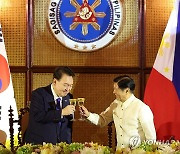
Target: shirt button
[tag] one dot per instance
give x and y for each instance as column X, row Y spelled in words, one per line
column 121, row 135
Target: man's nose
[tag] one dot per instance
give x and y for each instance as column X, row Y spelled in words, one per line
column 68, row 88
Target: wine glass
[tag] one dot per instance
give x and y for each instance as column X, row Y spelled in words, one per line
column 80, row 103
column 73, row 102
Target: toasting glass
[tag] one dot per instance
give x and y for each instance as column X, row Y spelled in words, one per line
column 73, row 102
column 80, row 103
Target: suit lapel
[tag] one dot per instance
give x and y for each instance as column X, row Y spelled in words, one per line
column 49, row 98
column 65, row 101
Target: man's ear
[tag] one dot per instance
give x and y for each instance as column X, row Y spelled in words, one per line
column 54, row 81
column 127, row 90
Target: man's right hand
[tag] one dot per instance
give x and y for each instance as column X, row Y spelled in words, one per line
column 68, row 110
column 84, row 111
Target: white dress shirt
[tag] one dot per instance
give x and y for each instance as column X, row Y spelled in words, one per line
column 132, row 119
column 56, row 97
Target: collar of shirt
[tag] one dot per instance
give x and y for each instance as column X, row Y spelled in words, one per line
column 126, row 103
column 54, row 94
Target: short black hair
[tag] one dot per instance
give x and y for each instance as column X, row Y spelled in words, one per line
column 59, row 71
column 124, row 82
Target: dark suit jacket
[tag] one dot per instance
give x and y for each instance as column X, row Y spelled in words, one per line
column 44, row 119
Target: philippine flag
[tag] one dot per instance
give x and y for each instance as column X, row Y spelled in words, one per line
column 6, row 91
column 162, row 91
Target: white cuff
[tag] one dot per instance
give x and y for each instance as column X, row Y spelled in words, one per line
column 93, row 118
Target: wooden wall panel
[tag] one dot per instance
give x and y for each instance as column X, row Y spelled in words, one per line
column 13, row 22
column 19, row 84
column 123, row 51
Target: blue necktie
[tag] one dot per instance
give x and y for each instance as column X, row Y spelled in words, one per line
column 58, row 100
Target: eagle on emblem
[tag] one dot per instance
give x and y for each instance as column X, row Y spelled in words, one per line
column 85, row 15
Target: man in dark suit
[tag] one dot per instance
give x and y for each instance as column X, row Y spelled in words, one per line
column 50, row 112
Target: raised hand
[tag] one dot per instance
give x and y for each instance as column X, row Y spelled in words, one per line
column 68, row 110
column 84, row 111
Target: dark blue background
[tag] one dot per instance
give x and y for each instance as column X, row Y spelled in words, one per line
column 65, row 22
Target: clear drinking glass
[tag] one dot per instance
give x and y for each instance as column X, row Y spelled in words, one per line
column 73, row 102
column 80, row 103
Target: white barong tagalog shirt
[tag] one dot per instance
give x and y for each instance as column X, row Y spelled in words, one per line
column 132, row 119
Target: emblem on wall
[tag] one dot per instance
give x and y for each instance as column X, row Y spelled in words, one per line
column 85, row 25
